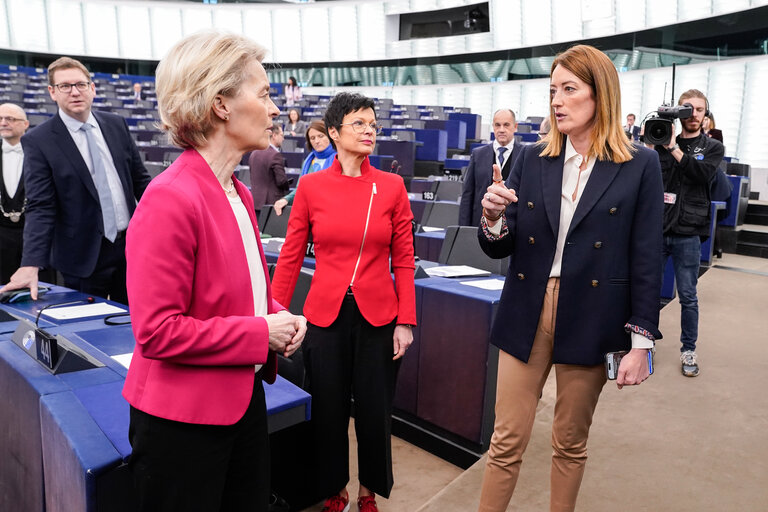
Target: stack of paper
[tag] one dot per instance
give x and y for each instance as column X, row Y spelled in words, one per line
column 456, row 271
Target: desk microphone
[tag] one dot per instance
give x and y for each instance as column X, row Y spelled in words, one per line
column 393, row 166
column 87, row 300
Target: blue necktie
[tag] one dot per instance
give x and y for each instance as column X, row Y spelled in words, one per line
column 501, row 150
column 102, row 185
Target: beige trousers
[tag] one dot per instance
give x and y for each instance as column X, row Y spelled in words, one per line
column 519, row 387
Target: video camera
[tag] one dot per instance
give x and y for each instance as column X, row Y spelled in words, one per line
column 658, row 129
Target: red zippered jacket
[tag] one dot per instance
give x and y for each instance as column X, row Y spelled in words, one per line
column 336, row 209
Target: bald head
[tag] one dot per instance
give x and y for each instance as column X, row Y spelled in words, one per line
column 504, row 125
column 13, row 123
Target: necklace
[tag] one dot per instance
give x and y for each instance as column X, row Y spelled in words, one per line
column 230, row 189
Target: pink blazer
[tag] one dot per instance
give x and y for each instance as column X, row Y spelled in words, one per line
column 189, row 288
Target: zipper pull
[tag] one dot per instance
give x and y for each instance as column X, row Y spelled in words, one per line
column 374, row 189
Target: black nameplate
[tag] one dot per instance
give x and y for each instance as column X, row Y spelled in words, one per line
column 47, row 349
column 428, row 195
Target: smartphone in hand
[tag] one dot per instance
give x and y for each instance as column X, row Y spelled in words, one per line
column 613, row 359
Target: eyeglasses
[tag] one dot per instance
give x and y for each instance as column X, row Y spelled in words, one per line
column 360, row 126
column 67, row 88
column 9, row 119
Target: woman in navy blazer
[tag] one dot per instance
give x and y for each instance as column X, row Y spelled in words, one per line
column 583, row 229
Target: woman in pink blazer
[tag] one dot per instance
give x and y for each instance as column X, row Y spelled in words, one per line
column 206, row 326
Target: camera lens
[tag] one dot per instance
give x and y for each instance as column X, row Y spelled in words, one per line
column 658, row 131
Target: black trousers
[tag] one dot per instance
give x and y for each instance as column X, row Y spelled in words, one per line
column 108, row 278
column 202, row 468
column 11, row 240
column 351, row 359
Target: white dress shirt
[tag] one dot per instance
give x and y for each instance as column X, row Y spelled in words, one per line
column 122, row 215
column 574, row 180
column 13, row 161
column 258, row 281
column 508, row 152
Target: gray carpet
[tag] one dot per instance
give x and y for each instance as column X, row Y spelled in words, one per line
column 673, row 443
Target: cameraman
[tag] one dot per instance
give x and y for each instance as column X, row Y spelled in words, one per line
column 688, row 165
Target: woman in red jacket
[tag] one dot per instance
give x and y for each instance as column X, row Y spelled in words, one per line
column 359, row 320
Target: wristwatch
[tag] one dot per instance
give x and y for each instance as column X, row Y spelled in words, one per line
column 676, row 146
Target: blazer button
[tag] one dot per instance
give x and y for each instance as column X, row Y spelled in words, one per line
column 531, row 240
column 595, row 282
column 530, row 205
column 598, row 244
column 521, row 276
column 613, row 210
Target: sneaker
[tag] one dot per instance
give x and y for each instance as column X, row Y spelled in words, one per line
column 367, row 504
column 336, row 503
column 690, row 367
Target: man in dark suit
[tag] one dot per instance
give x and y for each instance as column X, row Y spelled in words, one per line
column 138, row 94
column 13, row 124
column 82, row 176
column 503, row 151
column 267, row 167
column 631, row 129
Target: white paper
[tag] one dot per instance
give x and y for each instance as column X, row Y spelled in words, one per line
column 486, row 284
column 273, row 244
column 456, row 271
column 124, row 359
column 86, row 310
column 429, row 229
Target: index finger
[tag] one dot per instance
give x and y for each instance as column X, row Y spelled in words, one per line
column 497, row 174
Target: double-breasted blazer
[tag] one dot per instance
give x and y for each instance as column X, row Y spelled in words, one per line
column 611, row 271
column 478, row 178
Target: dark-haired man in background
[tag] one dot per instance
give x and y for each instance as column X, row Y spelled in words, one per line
column 267, row 167
column 688, row 164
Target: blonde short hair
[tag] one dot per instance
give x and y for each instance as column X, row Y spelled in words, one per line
column 192, row 74
column 593, row 67
column 65, row 63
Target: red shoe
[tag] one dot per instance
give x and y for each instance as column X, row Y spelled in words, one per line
column 336, row 503
column 367, row 503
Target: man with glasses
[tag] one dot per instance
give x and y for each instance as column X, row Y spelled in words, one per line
column 13, row 124
column 82, row 176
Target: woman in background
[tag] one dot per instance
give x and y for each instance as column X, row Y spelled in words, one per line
column 708, row 127
column 321, row 155
column 206, row 326
column 295, row 126
column 581, row 218
column 360, row 321
column 292, row 92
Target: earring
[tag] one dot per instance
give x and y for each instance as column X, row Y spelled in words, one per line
column 226, row 118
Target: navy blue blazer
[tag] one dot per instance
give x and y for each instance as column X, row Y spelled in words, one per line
column 478, row 178
column 64, row 226
column 611, row 268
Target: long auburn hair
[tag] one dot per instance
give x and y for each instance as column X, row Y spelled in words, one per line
column 608, row 140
